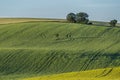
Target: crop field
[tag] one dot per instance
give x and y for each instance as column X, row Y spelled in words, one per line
column 40, row 48
column 99, row 74
column 19, row 20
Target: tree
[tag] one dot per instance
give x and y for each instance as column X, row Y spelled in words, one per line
column 82, row 17
column 113, row 23
column 71, row 17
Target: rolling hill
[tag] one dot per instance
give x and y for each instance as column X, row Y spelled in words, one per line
column 32, row 48
column 99, row 74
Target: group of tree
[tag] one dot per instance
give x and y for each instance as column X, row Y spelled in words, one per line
column 83, row 18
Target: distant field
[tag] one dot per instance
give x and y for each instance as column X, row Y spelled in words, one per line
column 100, row 74
column 105, row 24
column 18, row 20
column 31, row 47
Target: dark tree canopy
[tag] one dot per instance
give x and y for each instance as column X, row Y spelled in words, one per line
column 82, row 17
column 71, row 17
column 82, row 14
column 113, row 23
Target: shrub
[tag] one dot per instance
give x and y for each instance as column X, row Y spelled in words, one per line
column 113, row 23
column 57, row 36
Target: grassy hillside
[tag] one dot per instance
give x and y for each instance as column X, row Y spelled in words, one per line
column 100, row 74
column 37, row 35
column 33, row 48
column 46, row 62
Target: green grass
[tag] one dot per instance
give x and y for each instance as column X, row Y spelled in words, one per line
column 42, row 35
column 32, row 48
column 45, row 61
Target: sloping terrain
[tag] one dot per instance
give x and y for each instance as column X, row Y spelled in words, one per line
column 99, row 74
column 42, row 35
column 52, row 47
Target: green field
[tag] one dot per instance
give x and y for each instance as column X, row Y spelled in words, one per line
column 30, row 49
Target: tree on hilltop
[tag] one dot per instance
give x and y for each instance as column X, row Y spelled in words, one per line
column 82, row 17
column 71, row 17
column 113, row 23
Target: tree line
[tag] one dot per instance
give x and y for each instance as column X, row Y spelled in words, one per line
column 83, row 18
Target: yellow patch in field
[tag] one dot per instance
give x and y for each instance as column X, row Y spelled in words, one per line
column 100, row 74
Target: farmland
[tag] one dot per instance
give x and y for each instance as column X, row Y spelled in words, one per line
column 32, row 48
column 99, row 74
